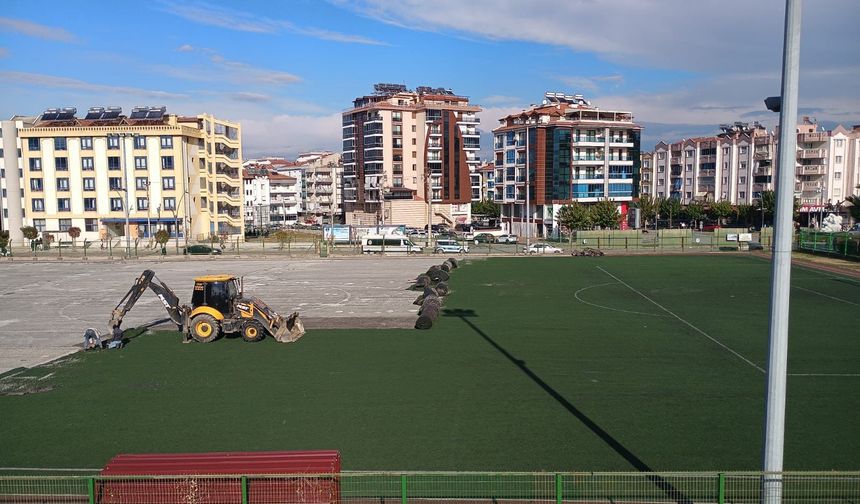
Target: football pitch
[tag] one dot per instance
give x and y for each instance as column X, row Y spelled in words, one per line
column 556, row 363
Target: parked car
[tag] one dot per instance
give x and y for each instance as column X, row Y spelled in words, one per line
column 450, row 246
column 754, row 245
column 506, row 238
column 200, row 250
column 484, row 238
column 541, row 248
column 710, row 227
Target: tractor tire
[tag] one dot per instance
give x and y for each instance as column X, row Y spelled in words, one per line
column 453, row 262
column 446, row 267
column 253, row 331
column 204, row 328
column 442, row 288
column 437, row 275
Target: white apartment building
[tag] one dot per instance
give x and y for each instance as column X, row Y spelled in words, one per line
column 741, row 162
column 150, row 169
column 323, row 176
column 11, row 189
column 271, row 199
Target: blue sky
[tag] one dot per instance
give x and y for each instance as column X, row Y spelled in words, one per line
column 287, row 70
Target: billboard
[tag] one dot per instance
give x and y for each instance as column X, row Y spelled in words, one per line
column 338, row 233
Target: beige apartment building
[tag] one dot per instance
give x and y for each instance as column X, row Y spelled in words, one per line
column 150, row 168
column 323, row 178
column 741, row 162
column 409, row 153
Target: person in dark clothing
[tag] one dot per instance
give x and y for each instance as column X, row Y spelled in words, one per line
column 116, row 337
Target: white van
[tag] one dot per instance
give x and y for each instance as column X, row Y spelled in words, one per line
column 389, row 244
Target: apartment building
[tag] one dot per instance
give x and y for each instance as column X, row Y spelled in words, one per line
column 741, row 162
column 150, row 168
column 487, row 182
column 271, row 199
column 11, row 176
column 561, row 151
column 409, row 153
column 323, row 175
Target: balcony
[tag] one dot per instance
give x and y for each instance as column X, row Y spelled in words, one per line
column 707, row 173
column 810, row 186
column 584, row 140
column 816, row 169
column 811, row 154
column 584, row 159
column 620, row 142
column 812, row 137
column 762, row 154
column 676, row 160
column 711, row 158
column 761, row 170
column 469, row 119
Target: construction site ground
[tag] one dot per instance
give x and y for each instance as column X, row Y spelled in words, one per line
column 45, row 306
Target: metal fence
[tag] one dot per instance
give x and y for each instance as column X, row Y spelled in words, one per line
column 424, row 487
column 834, row 244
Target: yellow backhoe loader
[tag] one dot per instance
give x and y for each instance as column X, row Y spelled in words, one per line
column 218, row 306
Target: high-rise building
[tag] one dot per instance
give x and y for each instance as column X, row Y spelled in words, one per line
column 151, row 169
column 561, row 151
column 408, row 155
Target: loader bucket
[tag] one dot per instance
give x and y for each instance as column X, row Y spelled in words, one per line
column 290, row 329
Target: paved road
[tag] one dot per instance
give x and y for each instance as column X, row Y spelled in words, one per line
column 45, row 306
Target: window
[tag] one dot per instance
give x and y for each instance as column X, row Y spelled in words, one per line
column 35, row 164
column 688, row 195
column 139, row 142
column 86, row 143
column 35, row 185
column 89, row 204
column 742, row 180
column 838, row 142
column 169, row 203
column 413, row 128
column 141, row 183
column 661, row 169
column 60, row 143
column 65, row 224
column 838, row 159
column 837, row 175
column 413, row 142
column 166, row 162
column 725, row 151
column 115, row 204
column 113, row 163
column 87, row 164
column 414, row 166
column 168, row 183
column 115, row 183
column 61, row 164
column 64, row 205
column 689, row 181
column 646, row 164
column 142, row 204
column 140, row 162
column 690, row 153
column 167, row 142
column 414, row 154
column 113, row 142
column 32, row 144
column 742, row 149
column 743, row 165
column 89, row 184
column 661, row 155
column 742, row 195
column 63, row 184
column 39, row 224
column 90, row 224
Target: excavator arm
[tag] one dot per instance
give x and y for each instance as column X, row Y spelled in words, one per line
column 148, row 280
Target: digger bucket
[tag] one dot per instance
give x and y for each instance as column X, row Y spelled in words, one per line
column 290, row 329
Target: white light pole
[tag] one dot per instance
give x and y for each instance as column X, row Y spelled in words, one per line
column 777, row 360
column 122, row 137
column 528, row 183
column 148, row 220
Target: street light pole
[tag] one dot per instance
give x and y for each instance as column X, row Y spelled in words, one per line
column 528, row 195
column 122, row 137
column 148, row 220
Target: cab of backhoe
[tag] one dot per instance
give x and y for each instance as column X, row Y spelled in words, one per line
column 217, row 292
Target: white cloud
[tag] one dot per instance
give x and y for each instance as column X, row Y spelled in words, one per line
column 230, row 19
column 52, row 81
column 185, row 48
column 249, row 96
column 579, row 83
column 36, row 30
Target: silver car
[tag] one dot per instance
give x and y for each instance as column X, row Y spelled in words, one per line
column 450, row 247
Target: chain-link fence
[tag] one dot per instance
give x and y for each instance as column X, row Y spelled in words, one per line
column 845, row 245
column 418, row 487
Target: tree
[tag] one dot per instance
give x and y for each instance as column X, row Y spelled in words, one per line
column 605, row 214
column 283, row 237
column 695, row 211
column 47, row 239
column 670, row 207
column 486, row 207
column 74, row 234
column 574, row 217
column 720, row 210
column 4, row 241
column 30, row 232
column 649, row 208
column 744, row 213
column 853, row 207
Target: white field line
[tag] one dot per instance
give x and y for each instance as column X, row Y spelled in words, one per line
column 576, row 295
column 827, row 296
column 670, row 312
column 826, row 374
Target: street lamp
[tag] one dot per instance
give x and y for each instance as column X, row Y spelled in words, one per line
column 148, row 221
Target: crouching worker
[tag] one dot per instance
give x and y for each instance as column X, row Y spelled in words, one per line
column 116, row 337
column 92, row 340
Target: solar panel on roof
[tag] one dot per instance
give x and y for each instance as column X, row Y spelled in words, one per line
column 156, row 112
column 111, row 113
column 138, row 113
column 95, row 113
column 67, row 113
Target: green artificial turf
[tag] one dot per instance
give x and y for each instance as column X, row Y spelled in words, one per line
column 539, row 364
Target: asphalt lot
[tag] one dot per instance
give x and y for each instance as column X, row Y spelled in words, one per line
column 46, row 306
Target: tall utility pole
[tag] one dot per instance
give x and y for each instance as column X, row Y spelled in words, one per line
column 777, row 366
column 148, row 220
column 125, row 185
column 429, row 205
